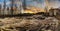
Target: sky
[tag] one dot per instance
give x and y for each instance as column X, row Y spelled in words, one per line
column 1, row 1
column 7, row 2
column 54, row 3
column 38, row 3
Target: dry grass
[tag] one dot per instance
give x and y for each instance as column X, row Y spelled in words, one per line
column 19, row 24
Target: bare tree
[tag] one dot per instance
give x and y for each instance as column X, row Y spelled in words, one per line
column 0, row 8
column 4, row 6
column 24, row 4
column 12, row 3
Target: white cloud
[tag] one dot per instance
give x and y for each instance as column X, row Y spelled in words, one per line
column 7, row 3
column 1, row 3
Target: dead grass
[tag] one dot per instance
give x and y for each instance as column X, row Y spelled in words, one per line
column 19, row 24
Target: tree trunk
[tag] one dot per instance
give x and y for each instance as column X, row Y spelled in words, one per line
column 24, row 4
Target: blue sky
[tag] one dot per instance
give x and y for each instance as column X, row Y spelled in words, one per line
column 3, row 0
column 36, row 3
column 39, row 3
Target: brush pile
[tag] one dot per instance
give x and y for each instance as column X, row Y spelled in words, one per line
column 24, row 24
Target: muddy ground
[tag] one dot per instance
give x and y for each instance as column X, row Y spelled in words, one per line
column 29, row 23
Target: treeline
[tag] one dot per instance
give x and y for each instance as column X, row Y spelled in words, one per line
column 15, row 7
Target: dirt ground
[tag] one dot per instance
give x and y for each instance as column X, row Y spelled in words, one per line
column 34, row 23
